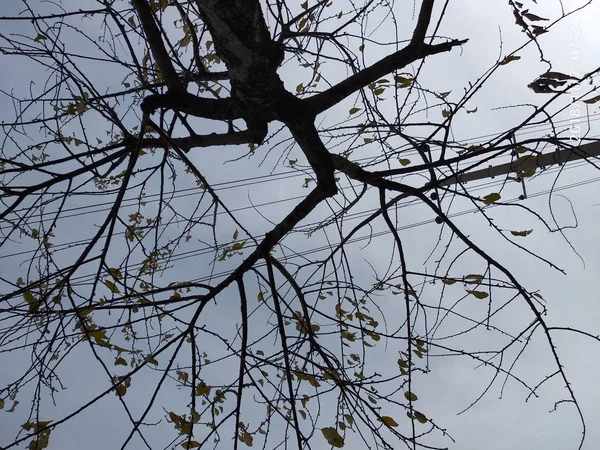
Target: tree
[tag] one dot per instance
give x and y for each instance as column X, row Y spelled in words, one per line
column 249, row 332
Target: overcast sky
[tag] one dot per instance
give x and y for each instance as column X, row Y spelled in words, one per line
column 453, row 383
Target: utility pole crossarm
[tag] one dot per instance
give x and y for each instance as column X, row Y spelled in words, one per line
column 585, row 151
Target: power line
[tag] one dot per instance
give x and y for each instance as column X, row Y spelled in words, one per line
column 208, row 250
column 69, row 245
column 406, row 227
column 252, row 181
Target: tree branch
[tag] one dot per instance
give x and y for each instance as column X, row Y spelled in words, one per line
column 184, row 102
column 422, row 22
column 206, row 140
column 396, row 61
column 161, row 57
column 301, row 123
column 243, row 42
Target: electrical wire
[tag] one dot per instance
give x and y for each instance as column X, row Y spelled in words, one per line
column 253, row 181
column 82, row 279
column 351, row 216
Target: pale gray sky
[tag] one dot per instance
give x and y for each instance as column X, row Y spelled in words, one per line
column 453, row 382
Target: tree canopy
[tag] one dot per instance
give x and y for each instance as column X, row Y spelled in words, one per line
column 209, row 211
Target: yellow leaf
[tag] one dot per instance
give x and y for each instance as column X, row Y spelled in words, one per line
column 410, row 396
column 591, row 101
column 116, row 273
column 403, row 81
column 261, row 296
column 389, row 421
column 521, row 233
column 448, row 281
column 235, row 234
column 373, row 335
column 100, row 337
column 33, row 302
column 151, row 360
column 338, row 309
column 475, row 148
column 353, row 111
column 333, row 437
column 491, row 198
column 83, row 312
column 238, row 245
column 183, row 376
column 246, row 438
column 348, row 335
column 509, row 59
column 36, row 427
column 202, row 389
column 479, row 294
column 186, row 40
column 420, row 417
column 111, row 287
column 404, row 161
column 310, row 378
column 330, row 374
column 121, row 390
column 402, row 364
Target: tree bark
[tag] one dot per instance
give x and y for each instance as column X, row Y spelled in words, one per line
column 243, row 42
